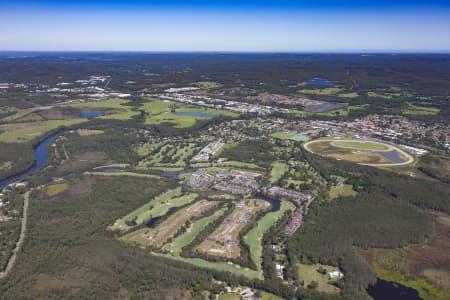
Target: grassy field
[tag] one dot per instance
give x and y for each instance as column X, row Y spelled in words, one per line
column 159, row 112
column 220, row 266
column 309, row 273
column 322, row 92
column 254, row 236
column 143, row 213
column 269, row 296
column 208, row 85
column 168, row 155
column 120, row 109
column 361, row 145
column 23, row 132
column 420, row 110
column 19, row 114
column 6, row 166
column 342, row 111
column 54, row 189
column 351, row 95
column 290, row 136
column 229, row 230
column 229, row 296
column 278, row 170
column 188, row 237
column 120, row 173
column 343, row 191
column 158, row 235
column 89, row 132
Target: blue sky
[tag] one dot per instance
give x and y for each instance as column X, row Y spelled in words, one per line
column 284, row 25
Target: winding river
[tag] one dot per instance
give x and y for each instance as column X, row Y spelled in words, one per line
column 41, row 158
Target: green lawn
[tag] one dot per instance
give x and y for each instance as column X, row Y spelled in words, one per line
column 342, row 111
column 54, row 189
column 324, row 91
column 24, row 132
column 361, row 145
column 220, row 266
column 229, row 296
column 119, row 173
column 344, row 191
column 308, row 273
column 146, row 211
column 278, row 170
column 188, row 237
column 290, row 136
column 160, row 112
column 420, row 110
column 123, row 112
column 348, row 95
column 6, row 166
column 268, row 296
column 208, row 85
column 254, row 236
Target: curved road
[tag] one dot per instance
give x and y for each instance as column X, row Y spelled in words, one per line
column 23, row 229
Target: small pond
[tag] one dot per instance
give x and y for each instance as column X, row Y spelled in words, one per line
column 90, row 114
column 319, row 82
column 392, row 155
column 388, row 290
column 153, row 221
column 328, row 106
column 109, row 169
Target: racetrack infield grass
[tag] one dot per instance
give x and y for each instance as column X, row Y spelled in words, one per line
column 290, row 136
column 362, row 152
column 361, row 145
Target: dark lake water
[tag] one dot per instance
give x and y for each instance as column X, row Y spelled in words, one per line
column 392, row 155
column 90, row 114
column 387, row 290
column 174, row 174
column 155, row 220
column 328, row 106
column 41, row 158
column 319, row 82
column 274, row 202
column 109, row 169
column 195, row 114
